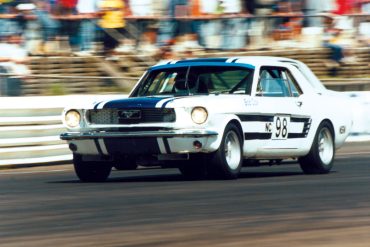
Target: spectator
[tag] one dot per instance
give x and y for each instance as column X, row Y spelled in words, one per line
column 113, row 24
column 170, row 28
column 8, row 25
column 345, row 7
column 364, row 27
column 331, row 41
column 49, row 26
column 12, row 61
column 209, row 29
column 287, row 25
column 314, row 7
column 69, row 25
column 141, row 9
column 250, row 7
column 365, row 6
column 88, row 10
column 67, row 7
column 234, row 29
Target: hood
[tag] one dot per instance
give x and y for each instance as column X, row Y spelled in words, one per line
column 139, row 102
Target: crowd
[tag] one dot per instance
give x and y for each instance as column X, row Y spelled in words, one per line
column 106, row 27
column 109, row 26
column 222, row 24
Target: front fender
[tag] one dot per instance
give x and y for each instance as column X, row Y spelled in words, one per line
column 218, row 123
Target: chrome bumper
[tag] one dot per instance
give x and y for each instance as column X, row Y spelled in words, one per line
column 137, row 134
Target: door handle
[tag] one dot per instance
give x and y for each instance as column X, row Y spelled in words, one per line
column 299, row 103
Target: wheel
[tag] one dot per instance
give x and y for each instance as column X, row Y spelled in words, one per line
column 227, row 161
column 321, row 156
column 91, row 171
column 193, row 169
column 129, row 163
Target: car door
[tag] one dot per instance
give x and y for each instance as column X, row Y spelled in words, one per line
column 281, row 103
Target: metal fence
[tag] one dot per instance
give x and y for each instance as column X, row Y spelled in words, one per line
column 30, row 129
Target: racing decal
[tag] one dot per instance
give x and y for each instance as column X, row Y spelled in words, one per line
column 167, row 145
column 257, row 136
column 100, row 151
column 100, row 146
column 256, row 118
column 163, row 102
column 161, row 145
column 231, row 60
column 274, row 126
column 250, row 102
column 280, row 129
column 140, row 102
column 97, row 104
column 306, row 127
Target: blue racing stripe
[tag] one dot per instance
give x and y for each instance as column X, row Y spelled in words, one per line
column 169, row 101
column 97, row 104
column 139, row 102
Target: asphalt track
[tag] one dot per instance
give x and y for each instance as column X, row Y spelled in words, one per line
column 267, row 206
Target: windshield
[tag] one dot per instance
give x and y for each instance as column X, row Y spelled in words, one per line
column 196, row 80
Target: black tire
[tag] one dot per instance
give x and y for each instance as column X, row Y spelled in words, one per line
column 129, row 163
column 227, row 161
column 321, row 156
column 193, row 169
column 91, row 171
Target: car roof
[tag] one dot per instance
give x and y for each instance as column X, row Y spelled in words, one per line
column 250, row 60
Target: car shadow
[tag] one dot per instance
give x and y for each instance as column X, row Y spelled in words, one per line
column 177, row 177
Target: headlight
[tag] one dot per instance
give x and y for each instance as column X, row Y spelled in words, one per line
column 199, row 115
column 72, row 118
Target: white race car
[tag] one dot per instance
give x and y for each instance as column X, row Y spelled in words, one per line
column 209, row 117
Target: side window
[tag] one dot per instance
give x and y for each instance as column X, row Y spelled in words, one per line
column 277, row 82
column 272, row 83
column 293, row 85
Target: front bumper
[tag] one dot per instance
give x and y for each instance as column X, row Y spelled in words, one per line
column 102, row 143
column 137, row 134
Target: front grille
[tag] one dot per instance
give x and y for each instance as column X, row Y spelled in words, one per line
column 130, row 116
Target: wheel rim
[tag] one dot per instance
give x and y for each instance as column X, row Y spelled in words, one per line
column 326, row 146
column 232, row 150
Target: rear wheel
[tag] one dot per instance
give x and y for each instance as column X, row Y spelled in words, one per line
column 91, row 171
column 227, row 161
column 321, row 156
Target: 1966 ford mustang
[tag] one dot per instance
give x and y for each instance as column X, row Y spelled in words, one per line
column 208, row 117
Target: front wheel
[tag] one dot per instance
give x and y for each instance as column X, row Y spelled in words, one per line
column 227, row 161
column 91, row 171
column 321, row 156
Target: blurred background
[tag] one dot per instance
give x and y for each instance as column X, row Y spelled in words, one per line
column 64, row 51
column 60, row 47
